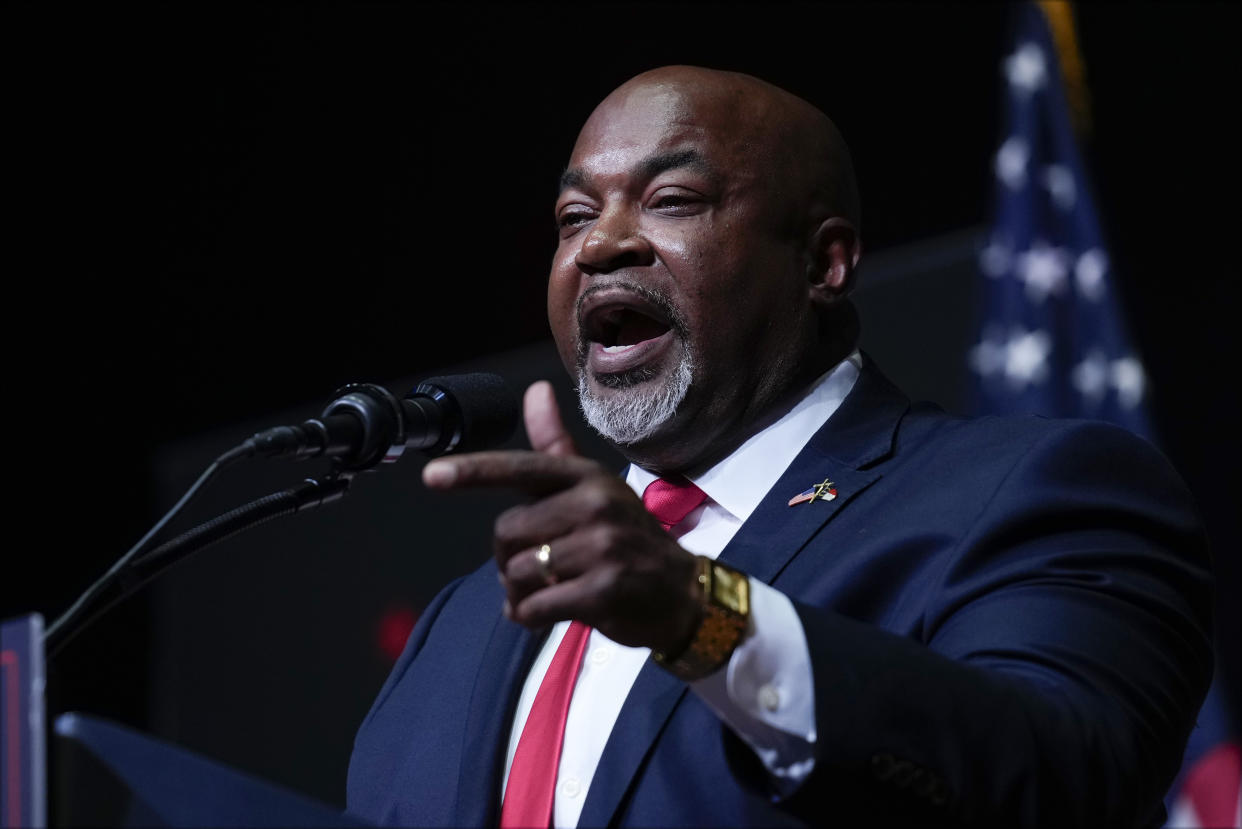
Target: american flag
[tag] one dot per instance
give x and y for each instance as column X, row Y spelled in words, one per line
column 1052, row 338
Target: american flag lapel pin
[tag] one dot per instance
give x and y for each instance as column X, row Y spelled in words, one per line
column 822, row 492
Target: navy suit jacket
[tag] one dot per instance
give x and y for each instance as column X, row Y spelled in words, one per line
column 1007, row 620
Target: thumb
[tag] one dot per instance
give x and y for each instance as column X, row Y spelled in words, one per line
column 543, row 421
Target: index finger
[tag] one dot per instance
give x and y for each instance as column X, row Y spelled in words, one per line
column 535, row 473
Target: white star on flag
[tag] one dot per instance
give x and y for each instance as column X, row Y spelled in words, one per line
column 1022, row 357
column 995, row 259
column 1044, row 269
column 1129, row 380
column 1060, row 183
column 988, row 357
column 1026, row 357
column 1090, row 377
column 1026, row 68
column 1089, row 273
column 1011, row 161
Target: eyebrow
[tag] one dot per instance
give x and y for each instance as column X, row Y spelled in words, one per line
column 572, row 177
column 575, row 177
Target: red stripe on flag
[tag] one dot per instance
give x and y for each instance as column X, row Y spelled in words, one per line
column 1212, row 786
column 8, row 669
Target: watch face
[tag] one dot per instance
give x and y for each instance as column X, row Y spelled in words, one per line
column 731, row 589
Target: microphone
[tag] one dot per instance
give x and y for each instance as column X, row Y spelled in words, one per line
column 366, row 424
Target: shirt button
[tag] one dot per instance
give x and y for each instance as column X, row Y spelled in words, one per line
column 600, row 655
column 769, row 698
column 570, row 787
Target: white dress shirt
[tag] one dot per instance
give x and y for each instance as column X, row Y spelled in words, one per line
column 766, row 692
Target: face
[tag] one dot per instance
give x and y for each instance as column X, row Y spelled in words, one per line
column 678, row 294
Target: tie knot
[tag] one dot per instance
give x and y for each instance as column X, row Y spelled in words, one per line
column 672, row 499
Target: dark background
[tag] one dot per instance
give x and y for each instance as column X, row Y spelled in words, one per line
column 218, row 214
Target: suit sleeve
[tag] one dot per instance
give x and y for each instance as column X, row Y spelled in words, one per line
column 1063, row 654
column 766, row 692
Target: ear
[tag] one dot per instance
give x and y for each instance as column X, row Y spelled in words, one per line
column 834, row 253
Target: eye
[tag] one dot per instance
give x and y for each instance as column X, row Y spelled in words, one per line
column 573, row 217
column 676, row 202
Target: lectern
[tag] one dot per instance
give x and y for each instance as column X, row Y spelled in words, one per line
column 110, row 775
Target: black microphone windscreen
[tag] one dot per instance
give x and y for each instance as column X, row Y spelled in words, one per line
column 487, row 406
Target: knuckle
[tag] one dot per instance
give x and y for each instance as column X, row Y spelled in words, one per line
column 508, row 524
column 516, row 591
column 510, row 572
column 605, row 583
column 528, row 611
column 596, row 499
column 605, row 537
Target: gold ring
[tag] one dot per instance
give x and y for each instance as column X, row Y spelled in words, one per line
column 544, row 556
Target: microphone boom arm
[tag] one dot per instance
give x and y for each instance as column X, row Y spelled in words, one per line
column 121, row 583
column 364, row 425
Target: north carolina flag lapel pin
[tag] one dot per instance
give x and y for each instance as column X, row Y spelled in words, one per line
column 823, row 492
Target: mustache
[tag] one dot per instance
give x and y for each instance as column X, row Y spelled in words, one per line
column 676, row 320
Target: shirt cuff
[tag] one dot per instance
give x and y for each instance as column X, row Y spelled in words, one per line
column 766, row 693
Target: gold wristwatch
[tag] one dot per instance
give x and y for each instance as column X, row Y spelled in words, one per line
column 725, row 594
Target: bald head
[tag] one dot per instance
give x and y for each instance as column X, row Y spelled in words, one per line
column 796, row 145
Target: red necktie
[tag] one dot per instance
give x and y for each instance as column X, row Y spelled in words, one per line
column 532, row 777
column 531, row 788
column 671, row 500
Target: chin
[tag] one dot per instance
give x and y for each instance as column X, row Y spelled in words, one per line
column 632, row 406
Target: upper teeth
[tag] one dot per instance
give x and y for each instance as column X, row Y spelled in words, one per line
column 612, row 349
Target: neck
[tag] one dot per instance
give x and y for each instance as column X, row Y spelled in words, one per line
column 690, row 448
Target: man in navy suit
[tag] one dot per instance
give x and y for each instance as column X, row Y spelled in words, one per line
column 808, row 601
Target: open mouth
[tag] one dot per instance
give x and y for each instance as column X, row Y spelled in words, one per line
column 623, row 330
column 619, row 329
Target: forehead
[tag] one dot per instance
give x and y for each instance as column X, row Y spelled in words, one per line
column 633, row 127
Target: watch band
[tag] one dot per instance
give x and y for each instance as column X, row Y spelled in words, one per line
column 725, row 594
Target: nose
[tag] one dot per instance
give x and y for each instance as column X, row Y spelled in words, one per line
column 615, row 241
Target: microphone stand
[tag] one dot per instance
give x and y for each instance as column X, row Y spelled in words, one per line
column 307, row 495
column 367, row 416
column 132, row 571
column 364, row 426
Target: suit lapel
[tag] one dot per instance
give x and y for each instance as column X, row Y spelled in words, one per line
column 860, row 433
column 651, row 700
column 509, row 653
column 844, row 451
column 776, row 532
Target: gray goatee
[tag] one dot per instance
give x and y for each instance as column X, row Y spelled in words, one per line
column 633, row 412
column 636, row 408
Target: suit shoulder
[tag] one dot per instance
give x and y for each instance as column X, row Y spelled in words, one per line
column 1015, row 435
column 1016, row 450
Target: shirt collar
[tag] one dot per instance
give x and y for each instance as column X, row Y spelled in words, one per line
column 739, row 482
